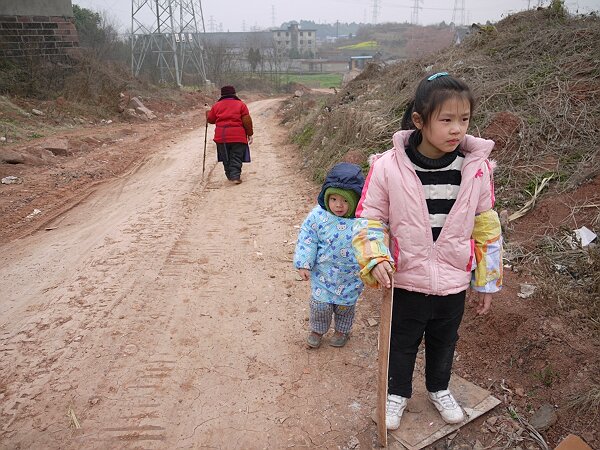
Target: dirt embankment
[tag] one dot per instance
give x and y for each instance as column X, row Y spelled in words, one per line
column 536, row 78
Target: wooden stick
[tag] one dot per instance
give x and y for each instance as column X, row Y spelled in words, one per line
column 385, row 329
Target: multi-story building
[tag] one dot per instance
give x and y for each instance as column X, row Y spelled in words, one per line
column 297, row 41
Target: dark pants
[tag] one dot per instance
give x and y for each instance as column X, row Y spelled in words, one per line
column 415, row 314
column 232, row 155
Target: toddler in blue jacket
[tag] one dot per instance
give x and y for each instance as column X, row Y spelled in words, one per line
column 324, row 255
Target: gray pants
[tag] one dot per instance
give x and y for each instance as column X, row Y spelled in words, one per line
column 232, row 155
column 321, row 313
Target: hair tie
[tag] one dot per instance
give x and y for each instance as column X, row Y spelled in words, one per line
column 437, row 75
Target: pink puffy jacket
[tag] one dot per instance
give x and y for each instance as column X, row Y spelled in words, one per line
column 393, row 195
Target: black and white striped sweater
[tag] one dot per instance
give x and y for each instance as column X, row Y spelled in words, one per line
column 440, row 179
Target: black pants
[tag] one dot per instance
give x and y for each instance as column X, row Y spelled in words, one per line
column 438, row 318
column 232, row 155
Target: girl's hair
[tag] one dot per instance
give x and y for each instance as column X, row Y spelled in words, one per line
column 431, row 93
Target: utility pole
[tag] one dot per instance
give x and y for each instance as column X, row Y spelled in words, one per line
column 337, row 29
column 171, row 39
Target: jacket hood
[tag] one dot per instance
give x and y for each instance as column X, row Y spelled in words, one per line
column 477, row 147
column 342, row 176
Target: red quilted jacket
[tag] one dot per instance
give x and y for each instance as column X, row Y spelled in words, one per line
column 231, row 117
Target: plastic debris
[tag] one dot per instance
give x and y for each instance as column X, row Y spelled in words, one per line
column 11, row 180
column 526, row 290
column 585, row 236
column 34, row 213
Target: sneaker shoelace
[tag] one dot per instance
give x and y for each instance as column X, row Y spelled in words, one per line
column 448, row 401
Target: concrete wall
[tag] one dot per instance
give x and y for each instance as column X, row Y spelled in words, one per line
column 37, row 28
column 36, row 8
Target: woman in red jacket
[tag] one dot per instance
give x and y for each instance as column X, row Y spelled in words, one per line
column 233, row 132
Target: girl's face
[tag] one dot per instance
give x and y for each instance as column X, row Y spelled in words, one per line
column 338, row 205
column 446, row 127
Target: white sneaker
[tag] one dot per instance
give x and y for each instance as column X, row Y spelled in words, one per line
column 447, row 405
column 394, row 408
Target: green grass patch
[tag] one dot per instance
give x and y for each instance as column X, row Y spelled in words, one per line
column 547, row 376
column 316, row 80
column 366, row 45
column 305, row 136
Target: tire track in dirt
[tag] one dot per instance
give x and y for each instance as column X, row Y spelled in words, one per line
column 164, row 311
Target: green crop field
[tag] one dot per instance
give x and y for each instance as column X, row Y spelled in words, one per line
column 318, row 80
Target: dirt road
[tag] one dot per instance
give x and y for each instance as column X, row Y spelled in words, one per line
column 163, row 312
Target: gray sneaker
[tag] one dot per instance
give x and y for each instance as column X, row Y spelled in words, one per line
column 339, row 339
column 314, row 339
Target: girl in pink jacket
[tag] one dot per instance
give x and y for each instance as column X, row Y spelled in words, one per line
column 425, row 219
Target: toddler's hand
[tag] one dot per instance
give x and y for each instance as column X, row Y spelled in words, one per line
column 250, row 140
column 304, row 274
column 482, row 302
column 383, row 273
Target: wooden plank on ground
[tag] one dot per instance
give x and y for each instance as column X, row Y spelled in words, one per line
column 421, row 423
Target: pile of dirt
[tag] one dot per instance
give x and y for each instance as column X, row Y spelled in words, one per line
column 536, row 76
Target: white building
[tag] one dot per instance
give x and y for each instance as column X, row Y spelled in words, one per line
column 297, row 41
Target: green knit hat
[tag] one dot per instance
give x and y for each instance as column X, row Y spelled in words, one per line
column 351, row 197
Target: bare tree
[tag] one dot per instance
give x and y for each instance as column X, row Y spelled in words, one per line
column 220, row 61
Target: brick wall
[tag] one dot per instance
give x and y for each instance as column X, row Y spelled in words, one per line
column 48, row 36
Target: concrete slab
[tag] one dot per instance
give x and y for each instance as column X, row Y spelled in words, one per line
column 421, row 423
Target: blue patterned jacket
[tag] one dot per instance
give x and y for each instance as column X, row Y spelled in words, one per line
column 325, row 248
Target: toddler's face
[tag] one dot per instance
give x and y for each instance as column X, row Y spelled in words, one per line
column 338, row 205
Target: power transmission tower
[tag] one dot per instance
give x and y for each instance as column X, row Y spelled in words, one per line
column 171, row 39
column 375, row 11
column 458, row 13
column 414, row 17
column 212, row 24
column 273, row 16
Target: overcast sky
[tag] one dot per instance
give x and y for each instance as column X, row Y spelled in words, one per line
column 233, row 15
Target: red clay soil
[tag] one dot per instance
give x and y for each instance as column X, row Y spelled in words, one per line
column 525, row 352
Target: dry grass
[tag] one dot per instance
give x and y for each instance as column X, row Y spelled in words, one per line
column 539, row 69
column 587, row 401
column 539, row 66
